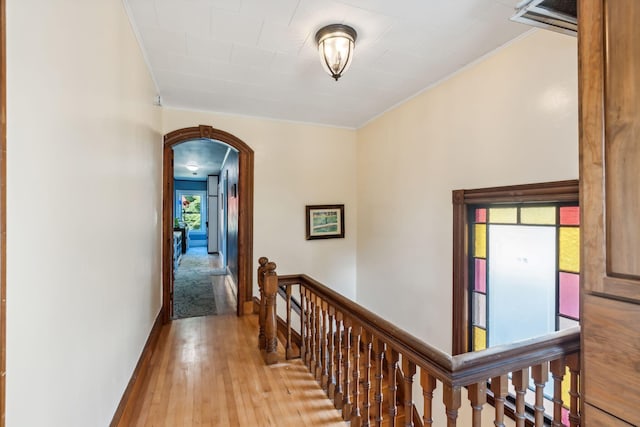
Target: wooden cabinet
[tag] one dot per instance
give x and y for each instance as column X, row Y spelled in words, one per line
column 609, row 78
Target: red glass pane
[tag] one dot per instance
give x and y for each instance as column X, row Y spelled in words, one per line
column 570, row 295
column 480, row 283
column 481, row 215
column 570, row 215
column 565, row 415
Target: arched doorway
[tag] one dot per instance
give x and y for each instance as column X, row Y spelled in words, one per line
column 245, row 214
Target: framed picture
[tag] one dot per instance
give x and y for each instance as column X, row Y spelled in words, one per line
column 325, row 221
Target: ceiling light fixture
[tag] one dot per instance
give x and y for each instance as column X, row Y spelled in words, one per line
column 192, row 166
column 335, row 44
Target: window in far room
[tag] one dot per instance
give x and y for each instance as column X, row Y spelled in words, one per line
column 192, row 209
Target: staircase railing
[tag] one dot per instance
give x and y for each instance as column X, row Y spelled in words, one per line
column 354, row 354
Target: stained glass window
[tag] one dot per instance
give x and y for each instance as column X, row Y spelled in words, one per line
column 527, row 253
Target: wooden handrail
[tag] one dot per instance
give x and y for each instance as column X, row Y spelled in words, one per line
column 460, row 370
column 335, row 330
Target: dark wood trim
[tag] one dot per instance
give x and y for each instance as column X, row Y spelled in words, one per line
column 245, row 214
column 557, row 191
column 140, row 371
column 3, row 210
column 459, row 370
column 460, row 274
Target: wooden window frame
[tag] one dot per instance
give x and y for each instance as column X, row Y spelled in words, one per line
column 552, row 192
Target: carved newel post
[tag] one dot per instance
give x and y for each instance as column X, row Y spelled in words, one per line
column 270, row 325
column 261, row 341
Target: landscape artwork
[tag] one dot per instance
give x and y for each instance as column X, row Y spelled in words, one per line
column 324, row 221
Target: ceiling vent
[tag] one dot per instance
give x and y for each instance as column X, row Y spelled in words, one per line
column 554, row 15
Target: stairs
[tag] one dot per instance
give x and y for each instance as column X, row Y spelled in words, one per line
column 336, row 393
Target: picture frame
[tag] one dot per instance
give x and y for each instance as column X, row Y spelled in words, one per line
column 324, row 222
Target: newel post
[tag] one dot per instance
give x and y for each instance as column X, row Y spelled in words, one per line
column 261, row 341
column 270, row 323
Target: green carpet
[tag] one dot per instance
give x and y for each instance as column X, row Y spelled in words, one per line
column 193, row 285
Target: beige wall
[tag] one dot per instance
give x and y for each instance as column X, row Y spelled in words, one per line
column 84, row 183
column 295, row 165
column 509, row 119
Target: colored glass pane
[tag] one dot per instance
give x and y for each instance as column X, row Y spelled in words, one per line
column 503, row 215
column 479, row 339
column 480, row 310
column 480, row 282
column 480, row 241
column 545, row 215
column 566, row 384
column 569, row 294
column 481, row 215
column 570, row 215
column 569, row 249
column 565, row 416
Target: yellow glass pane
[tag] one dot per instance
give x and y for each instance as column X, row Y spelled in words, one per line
column 480, row 250
column 569, row 249
column 545, row 215
column 503, row 215
column 566, row 386
column 479, row 339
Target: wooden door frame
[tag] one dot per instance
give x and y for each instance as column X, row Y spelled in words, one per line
column 245, row 213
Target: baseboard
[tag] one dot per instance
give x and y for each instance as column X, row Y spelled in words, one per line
column 140, row 371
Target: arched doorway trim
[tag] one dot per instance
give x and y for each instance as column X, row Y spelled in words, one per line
column 245, row 212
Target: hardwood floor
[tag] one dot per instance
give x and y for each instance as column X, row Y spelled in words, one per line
column 207, row 371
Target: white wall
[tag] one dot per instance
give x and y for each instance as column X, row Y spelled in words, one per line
column 509, row 119
column 83, row 208
column 295, row 165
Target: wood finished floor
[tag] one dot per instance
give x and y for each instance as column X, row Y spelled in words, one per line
column 207, row 371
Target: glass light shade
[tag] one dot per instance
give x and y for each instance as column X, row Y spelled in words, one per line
column 335, row 45
column 192, row 166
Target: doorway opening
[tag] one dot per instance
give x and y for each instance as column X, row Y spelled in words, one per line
column 212, row 224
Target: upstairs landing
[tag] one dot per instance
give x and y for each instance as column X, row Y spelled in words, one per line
column 207, row 371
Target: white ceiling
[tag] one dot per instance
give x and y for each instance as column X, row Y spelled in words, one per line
column 207, row 154
column 259, row 58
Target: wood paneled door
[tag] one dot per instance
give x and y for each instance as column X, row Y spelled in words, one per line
column 609, row 67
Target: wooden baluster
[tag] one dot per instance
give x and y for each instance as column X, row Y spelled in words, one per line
column 409, row 370
column 288, row 348
column 452, row 402
column 540, row 374
column 271, row 325
column 304, row 330
column 366, row 384
column 379, row 349
column 428, row 384
column 557, row 371
column 520, row 381
column 317, row 370
column 478, row 397
column 499, row 388
column 392, row 380
column 346, row 378
column 338, row 398
column 356, row 336
column 312, row 332
column 262, row 308
column 326, row 337
column 322, row 348
column 331, row 388
column 573, row 361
